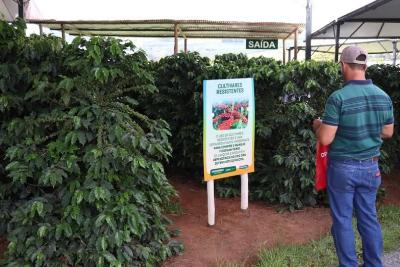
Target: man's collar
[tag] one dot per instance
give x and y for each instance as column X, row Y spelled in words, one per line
column 359, row 82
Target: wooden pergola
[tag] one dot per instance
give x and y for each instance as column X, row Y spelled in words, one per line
column 178, row 29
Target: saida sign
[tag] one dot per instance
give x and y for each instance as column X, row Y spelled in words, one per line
column 261, row 44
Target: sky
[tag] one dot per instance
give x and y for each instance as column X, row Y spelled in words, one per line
column 294, row 11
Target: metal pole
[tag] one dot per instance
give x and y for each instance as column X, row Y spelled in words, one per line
column 176, row 39
column 284, row 51
column 394, row 52
column 21, row 9
column 337, row 42
column 308, row 29
column 296, row 32
column 186, row 50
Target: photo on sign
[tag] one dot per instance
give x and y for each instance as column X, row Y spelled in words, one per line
column 230, row 115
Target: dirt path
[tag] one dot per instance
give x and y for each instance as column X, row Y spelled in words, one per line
column 391, row 183
column 3, row 246
column 238, row 236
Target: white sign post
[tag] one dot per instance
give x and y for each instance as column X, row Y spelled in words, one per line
column 244, row 191
column 210, row 202
column 228, row 135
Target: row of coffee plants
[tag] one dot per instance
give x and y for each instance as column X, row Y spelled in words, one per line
column 288, row 98
column 82, row 181
column 83, row 146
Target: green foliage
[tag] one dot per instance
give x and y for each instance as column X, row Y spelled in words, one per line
column 288, row 98
column 85, row 185
column 388, row 78
column 179, row 79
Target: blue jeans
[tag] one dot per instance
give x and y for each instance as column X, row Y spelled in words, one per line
column 354, row 184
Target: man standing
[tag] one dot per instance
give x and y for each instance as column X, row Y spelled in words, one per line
column 356, row 119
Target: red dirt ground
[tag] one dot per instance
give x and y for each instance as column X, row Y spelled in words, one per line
column 237, row 236
column 392, row 185
column 3, row 246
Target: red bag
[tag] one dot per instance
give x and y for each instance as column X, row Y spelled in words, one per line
column 321, row 161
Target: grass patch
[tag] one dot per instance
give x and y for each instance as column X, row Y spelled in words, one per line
column 321, row 253
column 174, row 208
column 390, row 220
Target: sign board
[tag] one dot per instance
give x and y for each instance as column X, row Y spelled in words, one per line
column 261, row 44
column 228, row 127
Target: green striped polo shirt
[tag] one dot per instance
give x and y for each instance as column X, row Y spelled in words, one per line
column 360, row 110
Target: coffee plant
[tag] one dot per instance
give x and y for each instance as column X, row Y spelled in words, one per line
column 83, row 183
column 288, row 98
column 388, row 78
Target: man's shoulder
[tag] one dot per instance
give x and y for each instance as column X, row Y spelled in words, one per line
column 380, row 91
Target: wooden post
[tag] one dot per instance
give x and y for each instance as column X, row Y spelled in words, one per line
column 290, row 55
column 175, row 39
column 337, row 37
column 186, row 50
column 394, row 52
column 40, row 29
column 296, row 32
column 284, row 51
column 63, row 32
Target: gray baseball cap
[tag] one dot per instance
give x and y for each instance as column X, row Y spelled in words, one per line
column 351, row 54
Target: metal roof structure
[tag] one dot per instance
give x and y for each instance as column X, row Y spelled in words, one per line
column 164, row 28
column 373, row 47
column 377, row 20
column 8, row 9
column 376, row 47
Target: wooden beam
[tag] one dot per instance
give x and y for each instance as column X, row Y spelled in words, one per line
column 284, row 51
column 186, row 50
column 63, row 31
column 175, row 39
column 295, row 44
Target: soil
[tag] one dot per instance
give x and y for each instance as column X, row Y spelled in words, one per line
column 391, row 183
column 3, row 246
column 238, row 236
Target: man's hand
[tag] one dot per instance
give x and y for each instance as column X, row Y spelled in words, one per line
column 317, row 124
